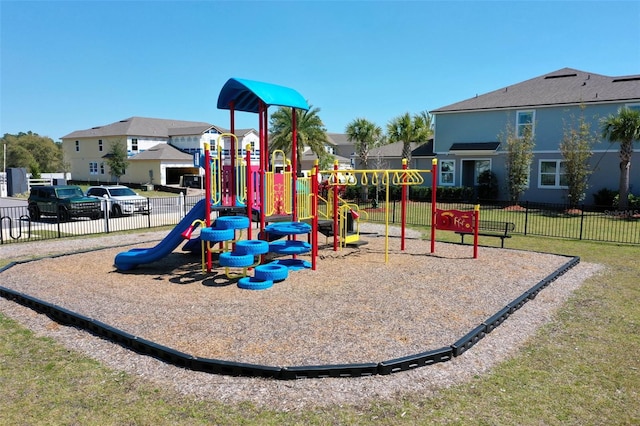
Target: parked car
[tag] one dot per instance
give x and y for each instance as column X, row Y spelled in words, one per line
column 63, row 201
column 123, row 199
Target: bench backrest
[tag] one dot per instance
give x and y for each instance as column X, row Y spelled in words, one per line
column 493, row 225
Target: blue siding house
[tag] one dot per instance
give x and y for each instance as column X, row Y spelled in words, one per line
column 468, row 134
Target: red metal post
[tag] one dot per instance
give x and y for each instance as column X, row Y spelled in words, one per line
column 334, row 187
column 232, row 155
column 476, row 216
column 314, row 215
column 208, row 197
column 434, row 184
column 264, row 163
column 249, row 200
column 294, row 162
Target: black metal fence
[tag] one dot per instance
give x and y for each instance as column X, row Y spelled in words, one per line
column 593, row 223
column 16, row 225
column 552, row 220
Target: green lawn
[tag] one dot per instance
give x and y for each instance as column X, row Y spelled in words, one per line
column 581, row 369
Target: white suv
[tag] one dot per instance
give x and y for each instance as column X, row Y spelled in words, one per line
column 123, row 200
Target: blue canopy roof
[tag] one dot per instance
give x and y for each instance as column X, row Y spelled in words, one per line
column 246, row 95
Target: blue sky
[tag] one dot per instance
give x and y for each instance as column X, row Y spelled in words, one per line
column 72, row 65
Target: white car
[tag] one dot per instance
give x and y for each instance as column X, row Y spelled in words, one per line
column 122, row 199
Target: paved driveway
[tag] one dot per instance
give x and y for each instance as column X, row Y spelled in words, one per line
column 12, row 202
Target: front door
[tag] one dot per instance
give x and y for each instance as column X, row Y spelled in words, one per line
column 471, row 170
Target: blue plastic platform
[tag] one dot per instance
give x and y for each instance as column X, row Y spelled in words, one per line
column 290, row 247
column 293, row 264
column 288, row 228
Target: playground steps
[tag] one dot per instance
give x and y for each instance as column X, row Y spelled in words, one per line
column 352, row 239
column 255, row 216
column 279, row 218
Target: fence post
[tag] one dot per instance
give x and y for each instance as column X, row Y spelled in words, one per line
column 393, row 212
column 526, row 216
column 106, row 209
column 58, row 219
column 148, row 213
column 581, row 219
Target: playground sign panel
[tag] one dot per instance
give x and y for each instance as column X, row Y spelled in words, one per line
column 459, row 221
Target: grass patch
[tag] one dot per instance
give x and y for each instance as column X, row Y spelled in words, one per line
column 582, row 368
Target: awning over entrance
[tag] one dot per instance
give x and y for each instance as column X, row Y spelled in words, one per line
column 474, row 148
column 247, row 94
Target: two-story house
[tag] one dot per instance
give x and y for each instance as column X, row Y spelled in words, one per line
column 468, row 137
column 160, row 151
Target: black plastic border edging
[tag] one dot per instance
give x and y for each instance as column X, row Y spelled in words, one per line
column 230, row 368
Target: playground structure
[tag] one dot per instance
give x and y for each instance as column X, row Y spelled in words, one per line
column 247, row 185
column 284, row 206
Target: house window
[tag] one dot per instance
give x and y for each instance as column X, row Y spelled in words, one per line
column 100, row 145
column 524, row 121
column 552, row 174
column 134, row 144
column 447, row 172
column 77, row 146
column 633, row 107
column 101, row 168
column 93, row 168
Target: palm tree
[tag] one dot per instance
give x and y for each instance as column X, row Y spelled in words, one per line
column 365, row 135
column 310, row 130
column 624, row 128
column 410, row 129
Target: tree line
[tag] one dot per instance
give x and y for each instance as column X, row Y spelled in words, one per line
column 365, row 134
column 38, row 154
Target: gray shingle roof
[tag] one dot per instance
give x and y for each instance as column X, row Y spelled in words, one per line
column 424, row 150
column 139, row 126
column 564, row 86
column 162, row 151
column 391, row 150
column 476, row 146
column 192, row 130
column 339, row 139
column 309, row 155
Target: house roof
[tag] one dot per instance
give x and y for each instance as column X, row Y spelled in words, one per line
column 482, row 146
column 155, row 127
column 247, row 94
column 391, row 150
column 339, row 139
column 162, row 151
column 564, row 86
column 193, row 130
column 141, row 126
column 424, row 150
column 474, row 148
column 309, row 155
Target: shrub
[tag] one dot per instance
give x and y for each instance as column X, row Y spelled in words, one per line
column 487, row 185
column 605, row 197
column 633, row 202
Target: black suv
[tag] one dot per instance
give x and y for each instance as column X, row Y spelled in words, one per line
column 63, row 201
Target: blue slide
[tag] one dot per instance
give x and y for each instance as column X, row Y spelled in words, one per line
column 128, row 260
